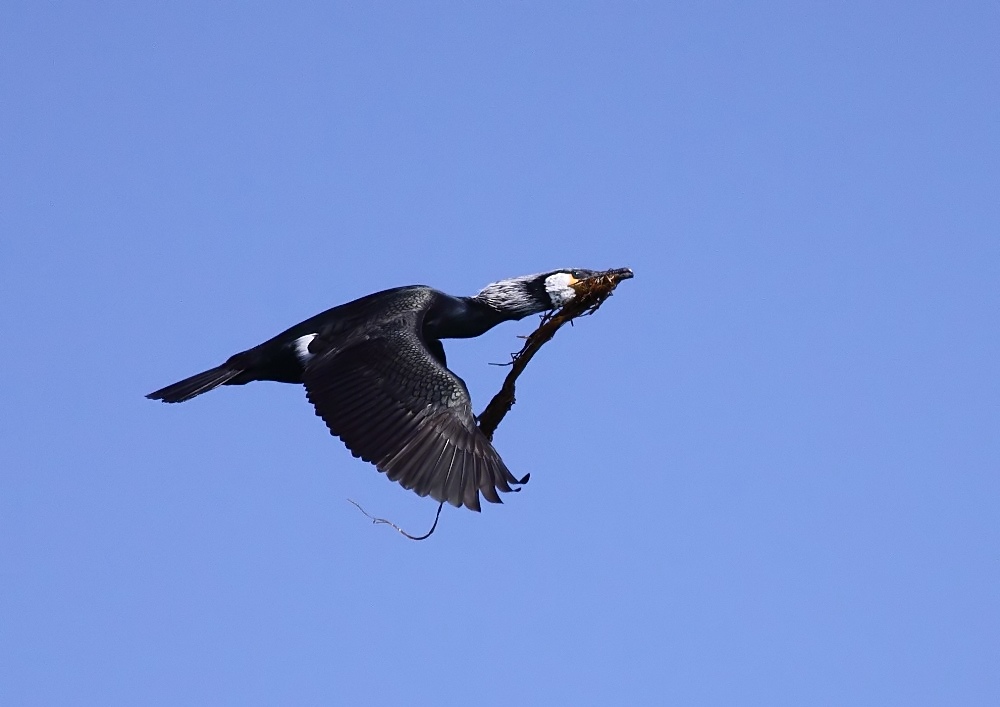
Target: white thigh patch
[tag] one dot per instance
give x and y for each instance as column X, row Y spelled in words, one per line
column 302, row 348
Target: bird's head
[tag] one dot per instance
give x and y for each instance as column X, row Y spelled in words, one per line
column 530, row 294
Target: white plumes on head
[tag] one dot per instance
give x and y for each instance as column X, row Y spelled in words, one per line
column 513, row 295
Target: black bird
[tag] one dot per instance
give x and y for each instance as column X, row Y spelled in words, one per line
column 375, row 371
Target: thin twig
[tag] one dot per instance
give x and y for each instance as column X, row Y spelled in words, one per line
column 376, row 521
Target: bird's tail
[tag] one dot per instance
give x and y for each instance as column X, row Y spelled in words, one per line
column 196, row 384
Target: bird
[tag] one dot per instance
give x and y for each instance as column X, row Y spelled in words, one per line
column 375, row 371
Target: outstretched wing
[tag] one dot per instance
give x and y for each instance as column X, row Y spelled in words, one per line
column 394, row 404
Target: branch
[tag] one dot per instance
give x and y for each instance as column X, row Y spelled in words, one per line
column 591, row 293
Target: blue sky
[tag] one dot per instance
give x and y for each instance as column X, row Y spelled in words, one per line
column 766, row 472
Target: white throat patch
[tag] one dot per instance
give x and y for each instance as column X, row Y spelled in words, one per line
column 558, row 288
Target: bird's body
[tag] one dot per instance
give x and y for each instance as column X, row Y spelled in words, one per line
column 375, row 370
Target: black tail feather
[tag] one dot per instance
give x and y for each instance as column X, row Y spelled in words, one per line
column 195, row 385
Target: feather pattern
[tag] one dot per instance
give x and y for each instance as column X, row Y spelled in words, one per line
column 388, row 396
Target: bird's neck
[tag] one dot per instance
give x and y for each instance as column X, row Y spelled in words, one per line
column 465, row 317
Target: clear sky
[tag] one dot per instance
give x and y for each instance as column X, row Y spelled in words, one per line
column 766, row 472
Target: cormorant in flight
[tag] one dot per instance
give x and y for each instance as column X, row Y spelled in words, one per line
column 375, row 371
